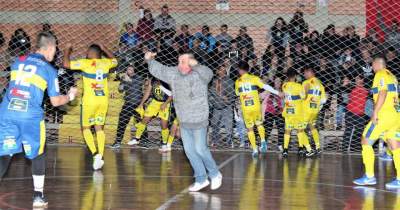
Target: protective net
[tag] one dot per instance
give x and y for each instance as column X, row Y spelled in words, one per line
column 336, row 37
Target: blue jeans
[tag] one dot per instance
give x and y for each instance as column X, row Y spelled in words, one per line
column 340, row 112
column 198, row 153
column 241, row 129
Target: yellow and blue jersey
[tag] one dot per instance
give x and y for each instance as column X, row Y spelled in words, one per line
column 315, row 95
column 30, row 77
column 384, row 80
column 246, row 87
column 294, row 95
column 95, row 83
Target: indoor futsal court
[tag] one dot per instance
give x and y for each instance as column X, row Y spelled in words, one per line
column 144, row 179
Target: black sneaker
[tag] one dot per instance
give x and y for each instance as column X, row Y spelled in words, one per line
column 318, row 151
column 309, row 153
column 39, row 201
column 301, row 152
column 285, row 153
column 116, row 145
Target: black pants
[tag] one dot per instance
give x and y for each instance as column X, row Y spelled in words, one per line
column 269, row 121
column 38, row 165
column 127, row 111
column 354, row 128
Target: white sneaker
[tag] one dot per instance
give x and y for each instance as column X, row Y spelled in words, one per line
column 163, row 148
column 133, row 142
column 169, row 148
column 241, row 145
column 98, row 162
column 216, row 182
column 198, row 186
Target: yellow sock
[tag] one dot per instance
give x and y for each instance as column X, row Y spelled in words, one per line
column 164, row 135
column 315, row 136
column 140, row 128
column 286, row 139
column 306, row 142
column 300, row 139
column 396, row 160
column 252, row 139
column 261, row 132
column 368, row 159
column 88, row 136
column 101, row 140
column 170, row 140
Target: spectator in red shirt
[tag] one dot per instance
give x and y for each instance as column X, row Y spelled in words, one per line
column 355, row 115
column 145, row 26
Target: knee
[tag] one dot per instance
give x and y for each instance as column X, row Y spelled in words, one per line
column 39, row 165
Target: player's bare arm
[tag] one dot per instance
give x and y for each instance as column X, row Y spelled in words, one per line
column 378, row 105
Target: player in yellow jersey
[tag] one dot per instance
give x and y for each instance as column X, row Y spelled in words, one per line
column 385, row 120
column 293, row 113
column 313, row 102
column 246, row 87
column 160, row 106
column 95, row 70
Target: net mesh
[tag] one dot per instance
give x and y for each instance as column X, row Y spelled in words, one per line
column 337, row 37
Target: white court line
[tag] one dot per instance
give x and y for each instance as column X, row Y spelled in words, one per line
column 186, row 190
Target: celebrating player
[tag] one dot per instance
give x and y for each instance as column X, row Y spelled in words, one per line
column 159, row 106
column 22, row 126
column 315, row 98
column 94, row 105
column 384, row 121
column 246, row 88
column 293, row 113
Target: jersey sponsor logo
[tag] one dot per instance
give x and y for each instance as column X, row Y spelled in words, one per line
column 97, row 86
column 20, row 93
column 93, row 63
column 9, row 143
column 17, row 104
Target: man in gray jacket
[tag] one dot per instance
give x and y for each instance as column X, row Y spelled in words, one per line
column 189, row 85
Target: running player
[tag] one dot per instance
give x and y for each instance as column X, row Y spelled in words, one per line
column 22, row 126
column 246, row 88
column 94, row 105
column 384, row 121
column 159, row 106
column 293, row 113
column 315, row 98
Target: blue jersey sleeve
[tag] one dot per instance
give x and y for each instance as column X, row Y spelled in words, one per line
column 53, row 88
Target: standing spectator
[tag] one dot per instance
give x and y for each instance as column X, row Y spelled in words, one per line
column 393, row 61
column 272, row 107
column 314, row 45
column 222, row 99
column 351, row 39
column 355, row 117
column 145, row 26
column 20, row 43
column 130, row 38
column 183, row 39
column 207, row 41
column 165, row 24
column 132, row 85
column 243, row 40
column 278, row 37
column 224, row 38
column 330, row 43
column 342, row 100
column 364, row 67
column 297, row 28
column 199, row 53
column 392, row 34
column 216, row 57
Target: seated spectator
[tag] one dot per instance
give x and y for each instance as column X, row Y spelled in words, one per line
column 145, row 26
column 278, row 37
column 224, row 38
column 393, row 61
column 355, row 115
column 243, row 40
column 346, row 56
column 130, row 38
column 297, row 28
column 207, row 41
column 199, row 53
column 165, row 24
column 20, row 43
column 183, row 39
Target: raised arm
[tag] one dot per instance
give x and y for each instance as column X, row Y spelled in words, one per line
column 205, row 73
column 107, row 52
column 66, row 58
column 159, row 71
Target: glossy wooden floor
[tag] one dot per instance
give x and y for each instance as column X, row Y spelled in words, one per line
column 144, row 179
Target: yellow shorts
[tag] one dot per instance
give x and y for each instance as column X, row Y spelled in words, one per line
column 93, row 114
column 311, row 118
column 176, row 122
column 387, row 126
column 154, row 109
column 295, row 122
column 252, row 117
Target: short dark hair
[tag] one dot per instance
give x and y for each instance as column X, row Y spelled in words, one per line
column 205, row 27
column 308, row 68
column 291, row 72
column 243, row 65
column 380, row 57
column 45, row 39
column 96, row 48
column 224, row 26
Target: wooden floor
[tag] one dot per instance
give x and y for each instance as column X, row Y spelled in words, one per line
column 145, row 179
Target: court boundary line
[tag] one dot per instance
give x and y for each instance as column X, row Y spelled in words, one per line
column 175, row 198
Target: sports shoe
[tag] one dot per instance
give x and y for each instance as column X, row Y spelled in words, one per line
column 318, row 151
column 309, row 153
column 198, row 186
column 264, row 147
column 39, row 201
column 395, row 184
column 169, row 148
column 116, row 145
column 163, row 148
column 301, row 152
column 216, row 182
column 385, row 157
column 98, row 162
column 133, row 142
column 364, row 180
column 241, row 145
column 285, row 153
column 280, row 148
column 254, row 154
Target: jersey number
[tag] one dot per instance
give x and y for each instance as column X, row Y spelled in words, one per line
column 246, row 87
column 99, row 75
column 25, row 72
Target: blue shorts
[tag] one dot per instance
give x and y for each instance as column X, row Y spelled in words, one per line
column 18, row 136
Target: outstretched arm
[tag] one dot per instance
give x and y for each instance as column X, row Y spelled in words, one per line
column 66, row 58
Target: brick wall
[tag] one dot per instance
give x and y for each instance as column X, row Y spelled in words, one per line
column 59, row 5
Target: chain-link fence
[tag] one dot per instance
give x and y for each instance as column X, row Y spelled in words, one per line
column 337, row 38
